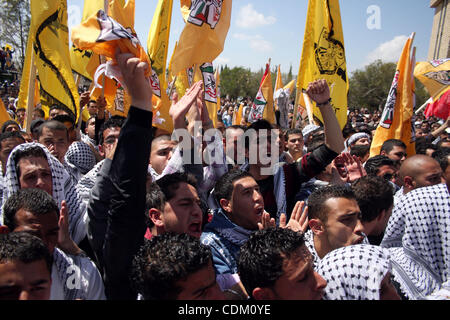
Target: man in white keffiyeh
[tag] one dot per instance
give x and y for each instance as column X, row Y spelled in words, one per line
column 31, row 165
column 418, row 235
column 334, row 221
column 358, row 272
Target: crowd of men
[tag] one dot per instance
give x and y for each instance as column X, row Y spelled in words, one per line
column 121, row 210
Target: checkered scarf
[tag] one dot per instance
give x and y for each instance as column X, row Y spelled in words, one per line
column 80, row 157
column 63, row 189
column 418, row 234
column 354, row 272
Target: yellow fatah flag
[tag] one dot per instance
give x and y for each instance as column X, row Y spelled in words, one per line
column 323, row 56
column 157, row 46
column 278, row 84
column 22, row 101
column 49, row 33
column 158, row 39
column 262, row 107
column 81, row 58
column 4, row 115
column 434, row 75
column 237, row 116
column 203, row 37
column 396, row 119
column 289, row 88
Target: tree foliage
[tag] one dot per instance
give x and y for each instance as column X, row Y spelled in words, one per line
column 15, row 21
column 370, row 87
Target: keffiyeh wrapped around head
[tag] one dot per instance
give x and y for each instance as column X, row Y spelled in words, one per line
column 80, row 156
column 354, row 272
column 354, row 138
column 418, row 234
column 63, row 188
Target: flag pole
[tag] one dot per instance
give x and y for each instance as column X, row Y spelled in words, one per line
column 30, row 98
column 308, row 107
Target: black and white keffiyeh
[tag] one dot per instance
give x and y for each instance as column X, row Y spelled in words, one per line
column 354, row 272
column 80, row 156
column 418, row 234
column 63, row 189
column 87, row 182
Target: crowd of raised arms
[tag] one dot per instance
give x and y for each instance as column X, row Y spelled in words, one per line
column 120, row 210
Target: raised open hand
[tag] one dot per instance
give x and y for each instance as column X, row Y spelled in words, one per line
column 299, row 218
column 179, row 110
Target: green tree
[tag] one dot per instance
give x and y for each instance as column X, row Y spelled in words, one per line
column 370, row 87
column 15, row 21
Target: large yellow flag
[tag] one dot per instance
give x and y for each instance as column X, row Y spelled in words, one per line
column 323, row 56
column 262, row 107
column 396, row 119
column 157, row 46
column 22, row 101
column 79, row 58
column 203, row 37
column 49, row 33
column 158, row 39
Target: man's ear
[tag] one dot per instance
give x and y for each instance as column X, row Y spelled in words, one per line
column 101, row 151
column 383, row 153
column 263, row 294
column 4, row 230
column 316, row 226
column 409, row 182
column 225, row 205
column 155, row 215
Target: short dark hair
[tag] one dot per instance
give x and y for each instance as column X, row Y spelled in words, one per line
column 388, row 145
column 223, row 188
column 293, row 131
column 255, row 127
column 25, row 248
column 170, row 182
column 35, row 151
column 8, row 123
column 317, row 209
column 260, row 261
column 64, row 118
column 52, row 125
column 153, row 199
column 55, row 106
column 373, row 164
column 163, row 261
column 10, row 135
column 373, row 194
column 33, row 200
column 422, row 145
column 21, row 109
column 40, row 111
column 113, row 122
column 442, row 156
